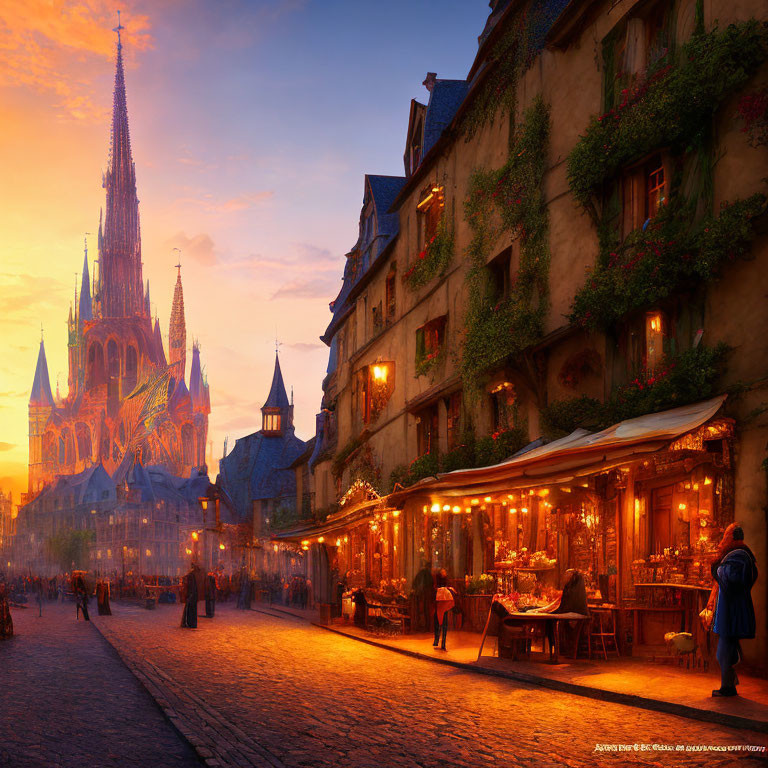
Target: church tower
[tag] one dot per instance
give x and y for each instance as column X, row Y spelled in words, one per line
column 177, row 333
column 41, row 406
column 121, row 293
column 277, row 412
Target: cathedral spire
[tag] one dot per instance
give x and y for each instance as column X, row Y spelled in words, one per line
column 121, row 257
column 147, row 310
column 85, row 310
column 177, row 333
column 41, row 394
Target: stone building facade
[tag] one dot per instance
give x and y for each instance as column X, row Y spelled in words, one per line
column 578, row 240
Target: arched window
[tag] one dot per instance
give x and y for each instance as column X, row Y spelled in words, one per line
column 66, row 447
column 131, row 369
column 49, row 447
column 188, row 445
column 84, row 446
column 113, row 359
column 95, row 371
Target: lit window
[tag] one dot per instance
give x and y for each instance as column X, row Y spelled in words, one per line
column 654, row 340
column 375, row 386
column 656, row 186
column 431, row 209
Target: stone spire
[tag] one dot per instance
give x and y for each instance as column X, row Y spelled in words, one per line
column 147, row 310
column 159, row 342
column 122, row 294
column 177, row 332
column 41, row 394
column 85, row 309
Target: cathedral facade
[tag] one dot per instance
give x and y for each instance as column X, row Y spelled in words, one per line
column 126, row 401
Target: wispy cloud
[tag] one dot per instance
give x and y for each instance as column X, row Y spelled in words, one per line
column 199, row 248
column 229, row 205
column 316, row 288
column 7, row 446
column 302, row 346
column 27, row 293
column 51, row 45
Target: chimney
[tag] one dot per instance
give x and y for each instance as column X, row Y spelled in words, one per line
column 429, row 82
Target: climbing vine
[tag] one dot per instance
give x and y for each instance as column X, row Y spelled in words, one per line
column 672, row 108
column 670, row 254
column 524, row 36
column 679, row 380
column 508, row 200
column 434, row 259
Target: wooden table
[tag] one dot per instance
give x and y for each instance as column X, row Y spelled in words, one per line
column 689, row 607
column 536, row 617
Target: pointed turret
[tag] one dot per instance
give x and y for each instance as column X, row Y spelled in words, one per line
column 120, row 267
column 147, row 310
column 277, row 412
column 41, row 394
column 85, row 308
column 197, row 385
column 177, row 333
column 158, row 337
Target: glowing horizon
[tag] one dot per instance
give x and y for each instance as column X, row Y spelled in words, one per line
column 250, row 157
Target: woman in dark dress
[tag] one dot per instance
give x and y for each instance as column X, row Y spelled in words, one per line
column 81, row 596
column 102, row 598
column 210, row 595
column 189, row 614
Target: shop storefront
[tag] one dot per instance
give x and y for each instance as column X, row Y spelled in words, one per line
column 638, row 509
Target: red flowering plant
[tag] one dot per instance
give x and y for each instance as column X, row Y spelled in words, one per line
column 671, row 107
column 669, row 254
column 433, row 259
column 678, row 380
column 753, row 111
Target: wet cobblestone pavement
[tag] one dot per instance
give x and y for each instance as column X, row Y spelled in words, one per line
column 253, row 689
column 68, row 701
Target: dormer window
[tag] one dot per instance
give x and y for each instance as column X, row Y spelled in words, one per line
column 271, row 421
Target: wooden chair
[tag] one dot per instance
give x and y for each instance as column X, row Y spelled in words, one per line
column 603, row 629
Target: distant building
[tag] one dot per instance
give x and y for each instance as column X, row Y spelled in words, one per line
column 257, row 474
column 124, row 398
column 118, row 465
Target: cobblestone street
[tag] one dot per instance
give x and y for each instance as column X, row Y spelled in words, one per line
column 67, row 700
column 253, row 689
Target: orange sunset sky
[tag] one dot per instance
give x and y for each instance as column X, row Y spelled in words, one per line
column 252, row 124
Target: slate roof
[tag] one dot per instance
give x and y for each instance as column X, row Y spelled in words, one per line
column 257, row 468
column 41, row 386
column 384, row 192
column 444, row 101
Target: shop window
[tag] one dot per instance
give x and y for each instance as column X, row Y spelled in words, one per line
column 427, row 430
column 644, row 190
column 499, row 270
column 375, row 385
column 429, row 340
column 453, row 422
column 502, row 401
column 430, row 209
column 390, row 295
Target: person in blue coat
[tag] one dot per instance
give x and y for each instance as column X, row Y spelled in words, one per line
column 735, row 571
